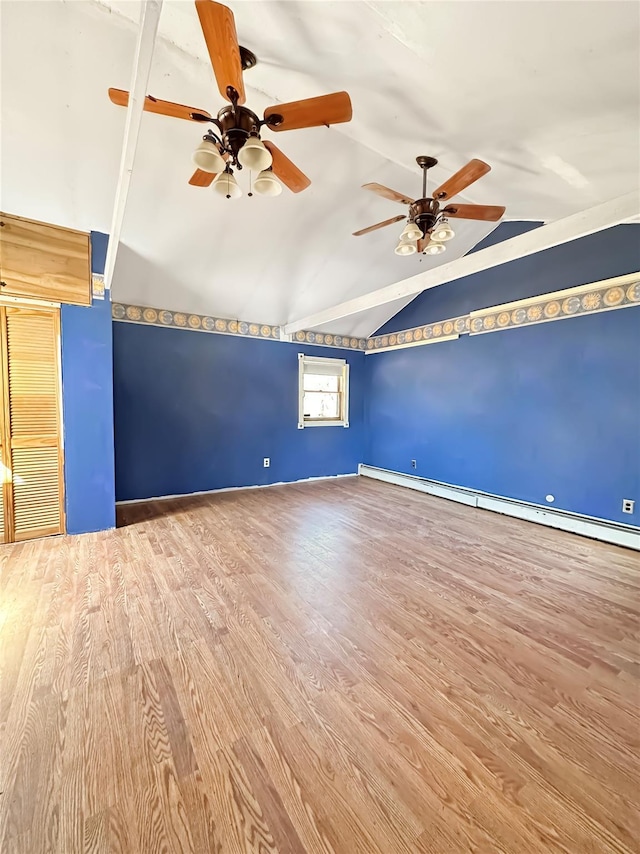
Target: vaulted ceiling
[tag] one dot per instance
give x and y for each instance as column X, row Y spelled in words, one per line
column 547, row 92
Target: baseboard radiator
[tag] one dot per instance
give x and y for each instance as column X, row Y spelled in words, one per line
column 586, row 526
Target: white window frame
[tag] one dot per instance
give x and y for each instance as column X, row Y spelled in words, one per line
column 341, row 370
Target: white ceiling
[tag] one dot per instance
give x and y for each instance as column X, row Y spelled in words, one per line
column 547, row 92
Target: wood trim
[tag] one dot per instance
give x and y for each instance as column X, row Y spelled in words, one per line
column 58, row 332
column 7, row 485
column 7, row 300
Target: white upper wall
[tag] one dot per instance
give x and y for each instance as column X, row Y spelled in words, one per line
column 547, row 92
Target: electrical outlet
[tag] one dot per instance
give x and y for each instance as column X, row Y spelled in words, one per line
column 266, row 462
column 413, row 464
column 627, row 505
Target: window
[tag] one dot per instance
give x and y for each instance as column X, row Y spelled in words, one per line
column 323, row 397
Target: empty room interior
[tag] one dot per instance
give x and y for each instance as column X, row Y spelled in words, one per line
column 320, row 427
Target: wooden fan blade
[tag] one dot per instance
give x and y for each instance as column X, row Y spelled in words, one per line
column 202, row 179
column 386, row 193
column 490, row 213
column 424, row 242
column 310, row 113
column 155, row 105
column 467, row 175
column 287, row 171
column 378, row 225
column 219, row 28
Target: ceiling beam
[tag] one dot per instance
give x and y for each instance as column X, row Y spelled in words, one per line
column 147, row 30
column 553, row 234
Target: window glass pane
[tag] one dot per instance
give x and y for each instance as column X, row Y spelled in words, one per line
column 321, row 405
column 317, row 382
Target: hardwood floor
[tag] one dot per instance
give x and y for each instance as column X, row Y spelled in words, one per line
column 343, row 666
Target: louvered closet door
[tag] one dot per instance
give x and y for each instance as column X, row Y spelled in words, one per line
column 33, row 348
column 5, row 452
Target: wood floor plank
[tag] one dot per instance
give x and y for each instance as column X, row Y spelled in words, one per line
column 333, row 668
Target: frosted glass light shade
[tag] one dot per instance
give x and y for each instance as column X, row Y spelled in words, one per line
column 266, row 184
column 226, row 185
column 411, row 232
column 207, row 157
column 404, row 248
column 253, row 155
column 443, row 232
column 435, row 248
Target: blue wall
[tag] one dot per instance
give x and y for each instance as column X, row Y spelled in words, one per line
column 195, row 411
column 87, row 394
column 603, row 255
column 553, row 408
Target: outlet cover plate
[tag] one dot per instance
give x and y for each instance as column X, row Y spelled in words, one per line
column 628, row 505
column 266, row 462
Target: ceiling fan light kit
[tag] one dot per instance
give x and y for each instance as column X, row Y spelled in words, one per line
column 443, row 231
column 236, row 138
column 434, row 247
column 253, row 155
column 404, row 247
column 428, row 228
column 411, row 232
column 226, row 185
column 266, row 184
column 207, row 156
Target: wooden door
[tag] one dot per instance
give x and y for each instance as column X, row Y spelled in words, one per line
column 32, row 446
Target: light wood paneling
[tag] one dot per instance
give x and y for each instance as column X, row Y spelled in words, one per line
column 345, row 667
column 43, row 261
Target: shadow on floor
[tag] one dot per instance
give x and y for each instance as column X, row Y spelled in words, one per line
column 132, row 514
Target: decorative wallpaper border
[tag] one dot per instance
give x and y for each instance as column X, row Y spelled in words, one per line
column 606, row 295
column 328, row 339
column 442, row 330
column 224, row 326
column 586, row 299
column 195, row 322
column 97, row 285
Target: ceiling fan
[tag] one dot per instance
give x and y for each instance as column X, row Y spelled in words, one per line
column 428, row 229
column 235, row 140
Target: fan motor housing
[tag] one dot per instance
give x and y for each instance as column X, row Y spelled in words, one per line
column 424, row 213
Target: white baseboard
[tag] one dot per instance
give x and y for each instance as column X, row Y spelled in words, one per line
column 232, row 489
column 586, row 526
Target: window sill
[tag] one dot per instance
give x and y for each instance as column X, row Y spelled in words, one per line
column 319, row 423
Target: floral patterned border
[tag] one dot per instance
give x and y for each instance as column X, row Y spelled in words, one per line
column 224, row 326
column 586, row 299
